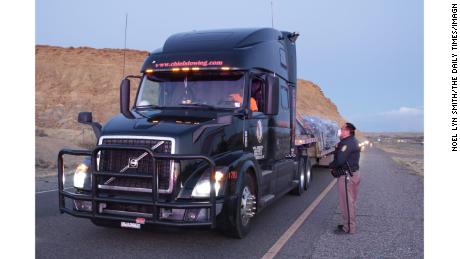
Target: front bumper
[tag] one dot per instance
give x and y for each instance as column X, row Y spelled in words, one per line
column 206, row 210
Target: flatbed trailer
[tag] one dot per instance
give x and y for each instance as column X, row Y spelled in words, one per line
column 311, row 147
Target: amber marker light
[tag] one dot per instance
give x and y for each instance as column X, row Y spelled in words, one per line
column 218, row 176
column 185, row 69
column 175, row 69
column 225, row 68
column 195, row 69
column 149, row 71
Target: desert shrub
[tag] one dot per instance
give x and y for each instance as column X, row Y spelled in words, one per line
column 40, row 133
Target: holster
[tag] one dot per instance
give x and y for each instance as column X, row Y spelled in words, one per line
column 336, row 173
column 349, row 169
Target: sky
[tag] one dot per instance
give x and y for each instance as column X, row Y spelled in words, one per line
column 367, row 56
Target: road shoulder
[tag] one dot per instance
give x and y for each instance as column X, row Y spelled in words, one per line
column 389, row 217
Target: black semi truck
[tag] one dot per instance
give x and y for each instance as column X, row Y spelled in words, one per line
column 209, row 141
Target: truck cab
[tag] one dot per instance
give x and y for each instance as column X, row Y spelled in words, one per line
column 209, row 139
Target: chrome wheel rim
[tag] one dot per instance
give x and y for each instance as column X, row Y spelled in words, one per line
column 248, row 206
column 308, row 175
column 302, row 178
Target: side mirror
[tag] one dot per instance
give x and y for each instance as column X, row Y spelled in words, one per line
column 272, row 95
column 87, row 118
column 125, row 94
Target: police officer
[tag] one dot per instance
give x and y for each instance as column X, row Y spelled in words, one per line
column 345, row 168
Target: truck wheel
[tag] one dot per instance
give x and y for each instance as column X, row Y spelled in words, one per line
column 301, row 175
column 245, row 209
column 308, row 174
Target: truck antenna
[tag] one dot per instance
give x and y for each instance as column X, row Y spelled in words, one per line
column 124, row 50
column 271, row 5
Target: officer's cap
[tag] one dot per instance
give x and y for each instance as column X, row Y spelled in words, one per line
column 350, row 127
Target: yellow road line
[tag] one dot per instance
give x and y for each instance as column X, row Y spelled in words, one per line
column 273, row 251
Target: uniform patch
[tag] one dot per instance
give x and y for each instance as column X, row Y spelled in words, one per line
column 344, row 147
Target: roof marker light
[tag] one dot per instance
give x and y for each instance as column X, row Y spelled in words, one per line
column 149, row 70
column 225, row 68
column 185, row 69
column 195, row 68
column 175, row 69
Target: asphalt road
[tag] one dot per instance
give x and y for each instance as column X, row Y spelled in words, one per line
column 63, row 236
column 59, row 236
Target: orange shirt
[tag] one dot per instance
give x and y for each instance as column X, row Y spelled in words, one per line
column 252, row 103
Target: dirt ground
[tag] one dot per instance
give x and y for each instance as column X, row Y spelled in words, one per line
column 406, row 149
column 48, row 142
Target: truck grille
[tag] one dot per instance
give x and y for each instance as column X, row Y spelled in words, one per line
column 118, row 160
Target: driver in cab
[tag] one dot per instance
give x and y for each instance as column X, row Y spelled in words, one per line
column 255, row 88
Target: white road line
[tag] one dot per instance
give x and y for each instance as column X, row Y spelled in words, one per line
column 54, row 190
column 273, row 251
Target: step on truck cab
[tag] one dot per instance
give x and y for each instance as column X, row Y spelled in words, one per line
column 209, row 140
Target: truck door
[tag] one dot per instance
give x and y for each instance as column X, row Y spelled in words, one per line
column 257, row 134
column 282, row 139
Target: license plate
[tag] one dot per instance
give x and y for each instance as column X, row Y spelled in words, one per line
column 130, row 225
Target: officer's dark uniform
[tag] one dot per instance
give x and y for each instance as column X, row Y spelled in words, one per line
column 347, row 151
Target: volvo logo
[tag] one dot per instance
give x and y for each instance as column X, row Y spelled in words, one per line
column 133, row 162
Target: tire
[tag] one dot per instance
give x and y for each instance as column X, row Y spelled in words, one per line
column 301, row 178
column 240, row 224
column 308, row 174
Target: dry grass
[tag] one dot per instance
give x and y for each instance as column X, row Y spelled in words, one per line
column 415, row 165
column 409, row 155
column 400, row 149
column 48, row 142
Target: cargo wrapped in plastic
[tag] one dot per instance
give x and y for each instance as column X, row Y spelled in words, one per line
column 326, row 131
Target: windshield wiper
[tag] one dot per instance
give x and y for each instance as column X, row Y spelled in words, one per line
column 198, row 105
column 150, row 106
column 201, row 105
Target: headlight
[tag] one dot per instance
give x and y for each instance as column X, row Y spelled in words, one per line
column 203, row 186
column 80, row 176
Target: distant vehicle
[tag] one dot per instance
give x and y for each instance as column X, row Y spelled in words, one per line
column 209, row 141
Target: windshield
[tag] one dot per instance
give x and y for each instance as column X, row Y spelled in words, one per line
column 203, row 90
